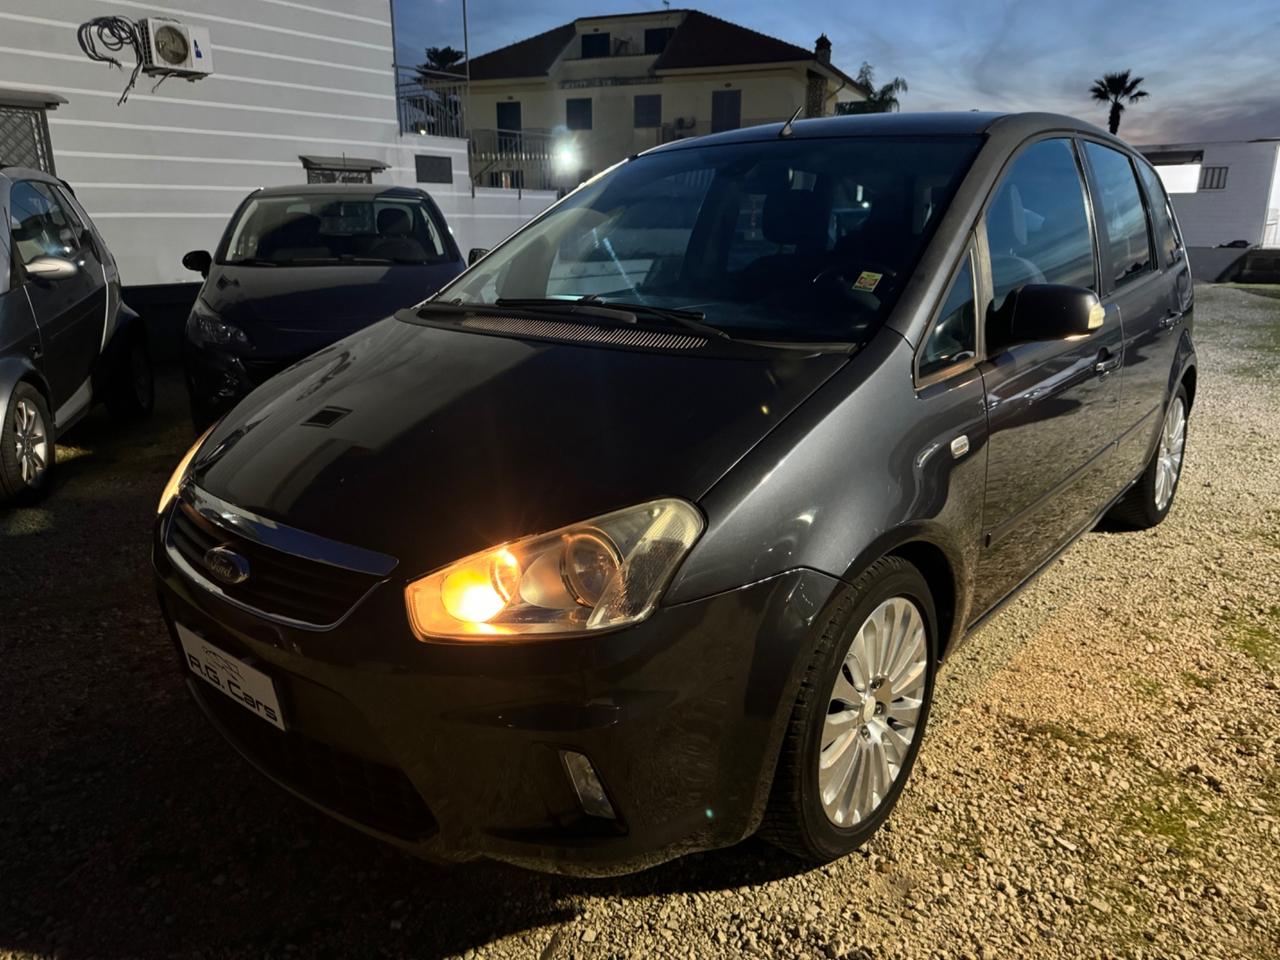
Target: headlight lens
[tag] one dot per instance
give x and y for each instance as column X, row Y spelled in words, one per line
column 180, row 472
column 207, row 327
column 603, row 573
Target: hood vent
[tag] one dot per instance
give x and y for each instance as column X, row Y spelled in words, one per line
column 325, row 417
column 585, row 333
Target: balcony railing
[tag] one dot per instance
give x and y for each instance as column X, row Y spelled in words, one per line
column 431, row 103
column 511, row 158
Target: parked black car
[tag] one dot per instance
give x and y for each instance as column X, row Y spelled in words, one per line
column 300, row 267
column 66, row 337
column 650, row 530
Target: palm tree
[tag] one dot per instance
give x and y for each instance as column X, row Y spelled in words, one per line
column 439, row 60
column 880, row 99
column 1116, row 89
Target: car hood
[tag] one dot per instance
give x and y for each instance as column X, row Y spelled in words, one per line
column 430, row 443
column 291, row 311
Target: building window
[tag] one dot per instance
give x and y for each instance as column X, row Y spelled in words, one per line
column 334, row 175
column 24, row 138
column 431, row 169
column 1213, row 178
column 648, row 110
column 595, row 45
column 726, row 110
column 656, row 39
column 577, row 113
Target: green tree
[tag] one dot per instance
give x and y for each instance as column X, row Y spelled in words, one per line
column 1117, row 89
column 439, row 60
column 882, row 99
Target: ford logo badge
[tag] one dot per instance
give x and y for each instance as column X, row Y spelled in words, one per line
column 226, row 565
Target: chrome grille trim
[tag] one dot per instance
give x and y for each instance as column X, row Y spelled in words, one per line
column 584, row 333
column 291, row 540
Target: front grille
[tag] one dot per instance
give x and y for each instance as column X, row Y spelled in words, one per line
column 279, row 583
column 584, row 333
column 370, row 793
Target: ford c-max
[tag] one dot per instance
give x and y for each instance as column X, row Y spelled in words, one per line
column 650, row 530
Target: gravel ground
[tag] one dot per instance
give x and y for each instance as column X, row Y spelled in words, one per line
column 1100, row 777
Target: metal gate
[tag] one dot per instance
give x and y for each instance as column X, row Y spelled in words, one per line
column 24, row 138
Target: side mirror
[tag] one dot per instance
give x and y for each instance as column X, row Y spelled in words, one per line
column 199, row 261
column 52, row 268
column 1051, row 311
column 475, row 254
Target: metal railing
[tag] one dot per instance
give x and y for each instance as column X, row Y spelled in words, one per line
column 511, row 158
column 431, row 103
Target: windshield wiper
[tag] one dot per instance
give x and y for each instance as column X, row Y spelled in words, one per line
column 593, row 305
column 253, row 262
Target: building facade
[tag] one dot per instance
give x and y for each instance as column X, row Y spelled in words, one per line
column 1223, row 192
column 302, row 90
column 592, row 92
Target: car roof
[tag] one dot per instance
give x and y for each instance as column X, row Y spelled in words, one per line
column 353, row 190
column 1015, row 126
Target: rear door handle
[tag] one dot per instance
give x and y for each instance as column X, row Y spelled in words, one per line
column 1169, row 320
column 1106, row 363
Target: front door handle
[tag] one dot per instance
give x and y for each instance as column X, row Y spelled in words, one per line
column 1169, row 320
column 1106, row 363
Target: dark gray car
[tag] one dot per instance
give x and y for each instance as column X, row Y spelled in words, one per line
column 66, row 337
column 651, row 529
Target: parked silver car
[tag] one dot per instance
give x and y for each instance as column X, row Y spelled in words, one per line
column 66, row 338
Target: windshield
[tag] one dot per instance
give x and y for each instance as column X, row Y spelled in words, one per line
column 324, row 229
column 784, row 239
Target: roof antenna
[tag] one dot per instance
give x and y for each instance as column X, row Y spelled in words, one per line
column 786, row 130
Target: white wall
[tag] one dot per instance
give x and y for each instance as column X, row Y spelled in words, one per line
column 1237, row 212
column 162, row 173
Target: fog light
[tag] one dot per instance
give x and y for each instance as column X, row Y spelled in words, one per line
column 587, row 785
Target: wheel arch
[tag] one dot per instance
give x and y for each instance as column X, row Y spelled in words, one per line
column 1188, row 382
column 16, row 370
column 940, row 563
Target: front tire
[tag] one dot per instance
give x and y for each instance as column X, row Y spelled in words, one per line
column 1150, row 498
column 26, row 446
column 859, row 717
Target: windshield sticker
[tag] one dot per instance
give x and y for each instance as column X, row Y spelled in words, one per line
column 867, row 281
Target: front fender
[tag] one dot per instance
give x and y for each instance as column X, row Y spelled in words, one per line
column 864, row 466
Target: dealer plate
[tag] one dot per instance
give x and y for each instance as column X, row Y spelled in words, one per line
column 250, row 688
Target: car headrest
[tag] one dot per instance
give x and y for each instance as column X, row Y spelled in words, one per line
column 798, row 217
column 393, row 222
column 1007, row 220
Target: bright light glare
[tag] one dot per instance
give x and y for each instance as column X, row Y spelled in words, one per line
column 469, row 595
column 180, row 473
column 566, row 159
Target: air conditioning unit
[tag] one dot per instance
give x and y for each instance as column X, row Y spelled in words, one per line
column 174, row 49
column 685, row 123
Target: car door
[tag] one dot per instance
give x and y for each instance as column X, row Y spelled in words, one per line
column 70, row 311
column 1051, row 405
column 1150, row 295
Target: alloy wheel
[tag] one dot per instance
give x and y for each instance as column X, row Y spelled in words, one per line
column 1173, row 437
column 32, row 442
column 873, row 712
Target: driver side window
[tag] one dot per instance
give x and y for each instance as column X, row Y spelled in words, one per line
column 1037, row 223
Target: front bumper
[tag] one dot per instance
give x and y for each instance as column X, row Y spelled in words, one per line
column 218, row 380
column 452, row 750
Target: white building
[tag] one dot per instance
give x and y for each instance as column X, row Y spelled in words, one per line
column 299, row 89
column 1223, row 192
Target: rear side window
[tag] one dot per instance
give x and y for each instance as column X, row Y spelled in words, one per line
column 954, row 337
column 1168, row 240
column 1038, row 225
column 1128, row 236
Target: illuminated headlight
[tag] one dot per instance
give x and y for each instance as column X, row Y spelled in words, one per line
column 207, row 327
column 180, row 472
column 606, row 572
